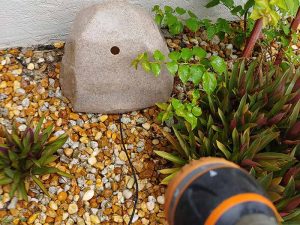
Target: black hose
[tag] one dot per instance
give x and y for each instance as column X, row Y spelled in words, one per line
column 136, row 197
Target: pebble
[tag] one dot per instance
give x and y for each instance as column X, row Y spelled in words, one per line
column 127, row 194
column 73, row 208
column 22, row 127
column 53, row 205
column 62, row 196
column 92, row 160
column 68, row 151
column 123, row 156
column 161, row 199
column 147, row 126
column 95, row 219
column 155, row 141
column 103, row 118
column 30, row 66
column 25, row 102
column 88, row 195
column 150, row 205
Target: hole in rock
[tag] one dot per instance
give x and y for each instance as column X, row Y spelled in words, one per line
column 115, row 50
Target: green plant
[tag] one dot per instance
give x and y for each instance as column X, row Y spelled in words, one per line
column 252, row 119
column 28, row 155
column 190, row 65
column 270, row 17
column 174, row 21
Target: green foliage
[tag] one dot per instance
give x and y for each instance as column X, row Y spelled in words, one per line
column 28, row 155
column 191, row 65
column 237, row 10
column 272, row 10
column 174, row 20
column 252, row 119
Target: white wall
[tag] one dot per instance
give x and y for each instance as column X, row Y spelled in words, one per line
column 30, row 22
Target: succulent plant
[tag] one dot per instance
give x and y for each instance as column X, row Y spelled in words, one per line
column 28, row 155
column 251, row 119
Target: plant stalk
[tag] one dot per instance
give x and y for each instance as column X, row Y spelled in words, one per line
column 296, row 22
column 255, row 34
column 294, row 26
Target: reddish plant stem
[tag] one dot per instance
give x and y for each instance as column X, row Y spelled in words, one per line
column 294, row 26
column 255, row 34
column 296, row 22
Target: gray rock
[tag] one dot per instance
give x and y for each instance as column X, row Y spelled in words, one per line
column 3, row 96
column 13, row 203
column 96, row 73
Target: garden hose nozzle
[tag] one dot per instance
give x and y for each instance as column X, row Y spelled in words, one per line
column 213, row 191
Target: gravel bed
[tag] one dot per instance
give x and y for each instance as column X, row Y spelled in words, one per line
column 102, row 190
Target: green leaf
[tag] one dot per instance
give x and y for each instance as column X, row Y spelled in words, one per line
column 211, row 31
column 171, row 157
column 223, row 149
column 38, row 129
column 212, row 3
column 146, row 66
column 228, row 3
column 155, row 69
column 162, row 106
column 209, row 82
column 59, row 172
column 197, row 111
column 249, row 4
column 52, row 148
column 191, row 14
column 176, row 103
column 22, row 191
column 290, row 188
column 168, row 9
column 158, row 19
column 169, row 170
column 199, row 52
column 196, row 73
column 39, row 183
column 191, row 119
column 294, row 116
column 180, row 11
column 176, row 28
column 193, row 24
column 186, row 54
column 157, row 55
column 175, row 144
column 184, row 146
column 175, row 56
column 166, row 180
column 5, row 180
column 265, row 181
column 172, row 67
column 184, row 73
column 15, row 183
column 218, row 64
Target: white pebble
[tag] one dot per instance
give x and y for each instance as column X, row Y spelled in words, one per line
column 92, row 160
column 53, row 205
column 146, row 126
column 73, row 208
column 88, row 195
column 22, row 127
column 25, row 102
column 30, row 66
column 150, row 205
column 127, row 194
column 161, row 199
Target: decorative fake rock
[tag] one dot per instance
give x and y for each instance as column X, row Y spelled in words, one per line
column 96, row 73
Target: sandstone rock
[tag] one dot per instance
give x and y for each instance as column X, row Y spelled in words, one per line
column 96, row 73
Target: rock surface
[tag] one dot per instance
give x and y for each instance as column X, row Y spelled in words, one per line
column 96, row 73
